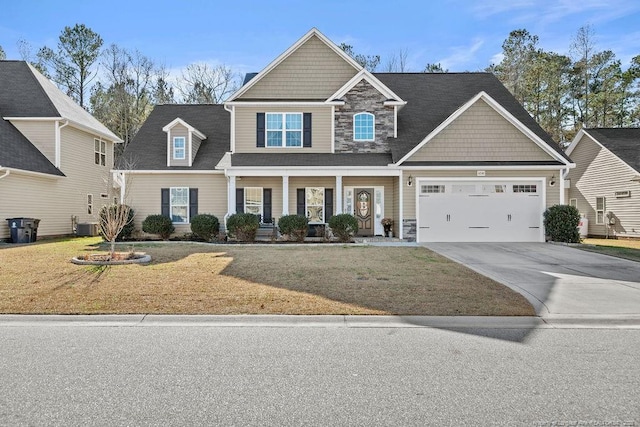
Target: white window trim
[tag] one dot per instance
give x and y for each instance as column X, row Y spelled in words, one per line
column 261, row 192
column 603, row 210
column 373, row 116
column 102, row 155
column 283, row 131
column 171, row 205
column 89, row 204
column 306, row 204
column 574, row 203
column 184, row 148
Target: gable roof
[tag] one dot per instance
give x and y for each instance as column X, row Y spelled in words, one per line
column 190, row 128
column 148, row 149
column 255, row 78
column 434, row 97
column 25, row 93
column 19, row 153
column 623, row 142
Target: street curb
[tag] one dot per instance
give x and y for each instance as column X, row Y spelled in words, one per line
column 324, row 321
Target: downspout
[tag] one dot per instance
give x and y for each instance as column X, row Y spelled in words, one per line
column 58, row 141
column 232, row 135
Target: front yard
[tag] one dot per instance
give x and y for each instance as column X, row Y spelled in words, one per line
column 186, row 278
column 621, row 248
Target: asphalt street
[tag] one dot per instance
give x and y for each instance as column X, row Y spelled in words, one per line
column 315, row 373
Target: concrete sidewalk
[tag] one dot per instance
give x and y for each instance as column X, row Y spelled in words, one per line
column 332, row 321
column 557, row 280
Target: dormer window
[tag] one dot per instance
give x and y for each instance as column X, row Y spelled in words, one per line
column 284, row 129
column 179, row 148
column 363, row 127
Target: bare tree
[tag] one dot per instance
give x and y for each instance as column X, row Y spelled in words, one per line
column 397, row 62
column 115, row 217
column 203, row 84
column 582, row 50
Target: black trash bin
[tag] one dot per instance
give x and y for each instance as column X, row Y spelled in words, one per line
column 23, row 230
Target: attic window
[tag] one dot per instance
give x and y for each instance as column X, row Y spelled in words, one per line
column 363, row 127
column 178, row 148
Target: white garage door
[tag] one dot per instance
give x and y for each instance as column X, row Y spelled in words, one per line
column 480, row 211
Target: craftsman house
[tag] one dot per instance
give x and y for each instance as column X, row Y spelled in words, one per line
column 449, row 157
column 605, row 184
column 55, row 159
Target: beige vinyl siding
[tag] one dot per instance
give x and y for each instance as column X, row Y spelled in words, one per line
column 600, row 173
column 313, row 71
column 41, row 134
column 143, row 195
column 246, row 124
column 366, row 182
column 55, row 201
column 179, row 131
column 480, row 134
column 409, row 193
column 274, row 183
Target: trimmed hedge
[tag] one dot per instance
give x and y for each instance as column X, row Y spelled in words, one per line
column 243, row 226
column 344, row 226
column 127, row 230
column 561, row 223
column 205, row 226
column 295, row 226
column 158, row 224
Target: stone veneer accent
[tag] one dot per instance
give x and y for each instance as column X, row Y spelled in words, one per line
column 409, row 229
column 363, row 98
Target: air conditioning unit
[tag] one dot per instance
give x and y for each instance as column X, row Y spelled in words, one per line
column 87, row 229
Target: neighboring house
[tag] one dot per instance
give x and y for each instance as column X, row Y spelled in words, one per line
column 605, row 185
column 55, row 158
column 449, row 157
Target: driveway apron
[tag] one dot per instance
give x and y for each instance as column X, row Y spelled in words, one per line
column 558, row 280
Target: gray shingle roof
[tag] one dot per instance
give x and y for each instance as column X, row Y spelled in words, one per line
column 623, row 142
column 19, row 153
column 433, row 97
column 311, row 159
column 24, row 92
column 148, row 149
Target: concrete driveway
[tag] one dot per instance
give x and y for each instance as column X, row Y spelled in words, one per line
column 557, row 280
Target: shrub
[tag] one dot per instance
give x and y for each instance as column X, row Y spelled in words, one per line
column 343, row 226
column 127, row 228
column 158, row 224
column 295, row 226
column 243, row 226
column 205, row 226
column 561, row 223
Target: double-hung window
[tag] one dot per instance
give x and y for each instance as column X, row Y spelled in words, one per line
column 284, row 129
column 363, row 127
column 100, row 151
column 178, row 148
column 179, row 205
column 601, row 206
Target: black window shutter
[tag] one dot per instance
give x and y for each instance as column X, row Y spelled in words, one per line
column 165, row 205
column 239, row 200
column 306, row 130
column 300, row 202
column 193, row 202
column 266, row 205
column 260, row 130
column 328, row 204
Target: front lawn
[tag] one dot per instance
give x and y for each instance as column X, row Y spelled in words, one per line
column 621, row 248
column 186, row 278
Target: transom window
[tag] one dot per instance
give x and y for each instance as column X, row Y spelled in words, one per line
column 178, row 147
column 253, row 200
column 100, row 149
column 525, row 188
column 432, row 189
column 284, row 129
column 601, row 205
column 363, row 127
column 315, row 204
column 179, row 205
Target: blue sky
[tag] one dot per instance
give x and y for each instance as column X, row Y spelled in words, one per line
column 462, row 35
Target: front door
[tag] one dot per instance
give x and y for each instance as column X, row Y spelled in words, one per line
column 364, row 211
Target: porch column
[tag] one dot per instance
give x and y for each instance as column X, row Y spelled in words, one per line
column 231, row 195
column 285, row 195
column 338, row 194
